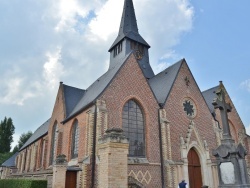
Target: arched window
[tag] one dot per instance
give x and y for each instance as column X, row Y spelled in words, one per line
column 41, row 154
column 133, row 127
column 53, row 143
column 74, row 140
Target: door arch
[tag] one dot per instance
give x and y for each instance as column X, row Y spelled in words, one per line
column 194, row 169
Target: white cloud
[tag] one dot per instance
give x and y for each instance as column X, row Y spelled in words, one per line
column 15, row 87
column 166, row 60
column 67, row 11
column 15, row 140
column 161, row 66
column 31, row 64
column 107, row 20
column 246, row 84
column 248, row 129
column 53, row 69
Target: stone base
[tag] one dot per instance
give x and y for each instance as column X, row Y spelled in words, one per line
column 235, row 186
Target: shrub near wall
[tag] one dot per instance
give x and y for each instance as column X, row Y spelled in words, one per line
column 23, row 183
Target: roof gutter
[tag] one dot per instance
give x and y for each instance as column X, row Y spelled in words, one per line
column 160, row 145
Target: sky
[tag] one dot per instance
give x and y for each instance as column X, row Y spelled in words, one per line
column 48, row 41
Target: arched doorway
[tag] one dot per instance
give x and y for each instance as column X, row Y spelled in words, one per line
column 194, row 169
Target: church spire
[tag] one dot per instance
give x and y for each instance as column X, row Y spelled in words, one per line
column 128, row 21
column 128, row 26
column 129, row 40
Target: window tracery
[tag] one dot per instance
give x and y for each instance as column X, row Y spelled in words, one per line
column 133, row 127
column 74, row 140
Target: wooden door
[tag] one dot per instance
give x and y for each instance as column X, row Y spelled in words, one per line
column 70, row 179
column 194, row 170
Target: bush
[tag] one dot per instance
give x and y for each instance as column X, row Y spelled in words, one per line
column 23, row 183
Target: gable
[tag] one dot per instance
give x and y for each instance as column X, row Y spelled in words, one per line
column 185, row 86
column 130, row 84
column 185, row 89
column 129, row 81
column 235, row 123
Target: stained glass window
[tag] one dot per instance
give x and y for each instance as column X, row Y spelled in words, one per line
column 133, row 127
column 75, row 140
column 53, row 143
column 189, row 107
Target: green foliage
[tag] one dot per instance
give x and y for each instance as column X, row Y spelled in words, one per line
column 7, row 129
column 4, row 157
column 23, row 138
column 23, row 183
column 15, row 149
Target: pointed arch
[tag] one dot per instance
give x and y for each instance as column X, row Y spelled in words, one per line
column 233, row 130
column 74, row 139
column 194, row 169
column 53, row 143
column 207, row 168
column 133, row 125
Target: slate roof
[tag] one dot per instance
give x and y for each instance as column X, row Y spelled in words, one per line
column 128, row 25
column 72, row 96
column 11, row 161
column 162, row 83
column 96, row 89
column 42, row 130
column 209, row 96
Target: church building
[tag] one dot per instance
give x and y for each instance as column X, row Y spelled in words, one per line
column 131, row 127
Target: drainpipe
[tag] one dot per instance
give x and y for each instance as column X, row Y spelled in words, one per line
column 94, row 149
column 161, row 152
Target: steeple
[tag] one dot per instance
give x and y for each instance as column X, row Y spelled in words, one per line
column 128, row 21
column 128, row 26
column 129, row 40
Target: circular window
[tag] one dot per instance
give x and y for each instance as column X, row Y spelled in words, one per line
column 189, row 107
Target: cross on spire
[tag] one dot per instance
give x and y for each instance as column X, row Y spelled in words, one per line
column 224, row 108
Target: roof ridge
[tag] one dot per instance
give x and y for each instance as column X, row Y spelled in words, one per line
column 74, row 87
column 210, row 89
column 180, row 61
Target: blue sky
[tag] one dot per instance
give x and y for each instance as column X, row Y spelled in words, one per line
column 45, row 42
column 218, row 48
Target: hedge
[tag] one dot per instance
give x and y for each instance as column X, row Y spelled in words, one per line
column 23, row 183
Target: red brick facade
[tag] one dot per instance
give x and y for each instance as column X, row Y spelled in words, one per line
column 180, row 133
column 173, row 128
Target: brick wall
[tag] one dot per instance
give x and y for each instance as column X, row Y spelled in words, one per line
column 179, row 121
column 58, row 115
column 128, row 84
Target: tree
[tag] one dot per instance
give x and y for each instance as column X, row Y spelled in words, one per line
column 7, row 129
column 22, row 140
column 4, row 157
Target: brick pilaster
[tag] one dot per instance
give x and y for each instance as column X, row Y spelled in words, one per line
column 113, row 166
